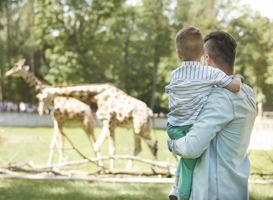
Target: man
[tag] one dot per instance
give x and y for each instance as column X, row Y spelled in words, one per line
column 221, row 134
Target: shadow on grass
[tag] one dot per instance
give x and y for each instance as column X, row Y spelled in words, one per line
column 14, row 189
column 79, row 190
column 260, row 191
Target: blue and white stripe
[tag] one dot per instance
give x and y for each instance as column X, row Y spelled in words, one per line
column 189, row 88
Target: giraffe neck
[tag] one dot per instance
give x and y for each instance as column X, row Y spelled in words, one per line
column 81, row 91
column 33, row 81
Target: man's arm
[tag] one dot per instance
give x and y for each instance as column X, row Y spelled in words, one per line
column 215, row 115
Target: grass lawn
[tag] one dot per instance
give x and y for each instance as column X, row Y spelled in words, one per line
column 22, row 144
column 33, row 144
column 21, row 189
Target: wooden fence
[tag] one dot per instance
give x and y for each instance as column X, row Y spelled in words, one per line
column 262, row 135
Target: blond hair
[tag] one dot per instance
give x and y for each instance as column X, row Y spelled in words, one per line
column 189, row 41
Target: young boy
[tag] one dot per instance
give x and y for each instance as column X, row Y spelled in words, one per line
column 189, row 88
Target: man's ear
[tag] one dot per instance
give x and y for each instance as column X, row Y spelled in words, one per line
column 203, row 51
column 179, row 54
column 207, row 59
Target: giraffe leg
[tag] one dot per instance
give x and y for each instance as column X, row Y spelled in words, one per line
column 104, row 133
column 54, row 139
column 88, row 126
column 146, row 135
column 52, row 147
column 111, row 141
column 60, row 143
column 137, row 144
column 137, row 149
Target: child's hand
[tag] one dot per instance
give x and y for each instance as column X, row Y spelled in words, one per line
column 240, row 76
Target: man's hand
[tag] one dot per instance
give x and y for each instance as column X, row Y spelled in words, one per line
column 171, row 145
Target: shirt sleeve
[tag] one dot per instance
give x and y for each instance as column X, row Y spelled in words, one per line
column 220, row 78
column 172, row 76
column 168, row 88
column 213, row 118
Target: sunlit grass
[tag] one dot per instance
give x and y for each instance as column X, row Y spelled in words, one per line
column 261, row 192
column 261, row 162
column 22, row 144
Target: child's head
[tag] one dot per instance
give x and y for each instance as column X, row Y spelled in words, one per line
column 189, row 44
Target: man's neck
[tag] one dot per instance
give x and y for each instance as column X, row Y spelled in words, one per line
column 212, row 64
column 229, row 73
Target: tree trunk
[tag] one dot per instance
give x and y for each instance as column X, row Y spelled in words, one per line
column 156, row 61
column 9, row 56
column 1, row 96
column 31, row 15
column 126, row 55
column 126, row 63
column 42, row 61
column 33, row 70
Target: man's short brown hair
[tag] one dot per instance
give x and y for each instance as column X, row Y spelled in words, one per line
column 189, row 41
column 221, row 47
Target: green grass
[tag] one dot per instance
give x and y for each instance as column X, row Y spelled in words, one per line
column 80, row 190
column 261, row 162
column 25, row 144
column 22, row 189
column 260, row 192
column 33, row 144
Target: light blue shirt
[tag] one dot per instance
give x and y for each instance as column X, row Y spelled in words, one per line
column 220, row 138
column 189, row 88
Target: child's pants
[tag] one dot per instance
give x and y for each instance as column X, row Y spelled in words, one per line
column 185, row 166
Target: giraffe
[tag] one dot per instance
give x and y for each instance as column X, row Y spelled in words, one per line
column 66, row 110
column 115, row 108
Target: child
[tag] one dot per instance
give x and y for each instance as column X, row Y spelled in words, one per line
column 189, row 88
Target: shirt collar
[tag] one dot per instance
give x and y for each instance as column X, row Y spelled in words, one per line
column 190, row 63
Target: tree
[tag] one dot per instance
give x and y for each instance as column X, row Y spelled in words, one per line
column 156, row 32
column 8, row 43
column 17, row 43
column 76, row 31
column 252, row 32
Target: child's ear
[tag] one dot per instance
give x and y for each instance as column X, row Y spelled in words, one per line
column 179, row 54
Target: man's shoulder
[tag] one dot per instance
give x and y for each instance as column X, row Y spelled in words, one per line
column 245, row 91
column 219, row 93
column 248, row 90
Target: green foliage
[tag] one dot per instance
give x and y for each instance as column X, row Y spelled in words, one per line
column 252, row 32
column 74, row 32
column 82, row 41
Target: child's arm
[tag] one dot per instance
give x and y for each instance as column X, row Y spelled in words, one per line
column 236, row 84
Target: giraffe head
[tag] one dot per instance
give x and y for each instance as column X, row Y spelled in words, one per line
column 45, row 99
column 18, row 69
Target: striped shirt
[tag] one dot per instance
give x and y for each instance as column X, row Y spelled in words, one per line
column 189, row 88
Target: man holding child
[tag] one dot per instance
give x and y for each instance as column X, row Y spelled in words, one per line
column 217, row 131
